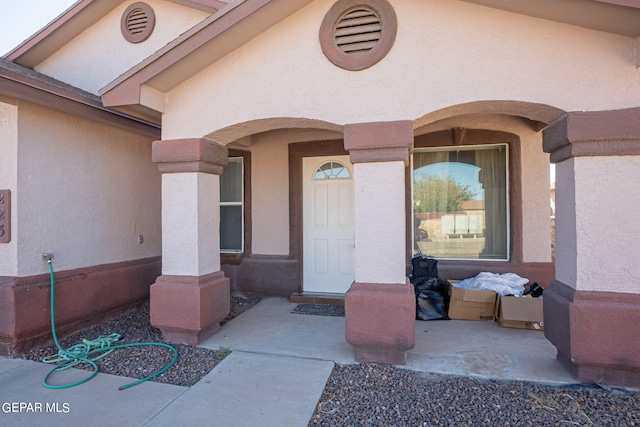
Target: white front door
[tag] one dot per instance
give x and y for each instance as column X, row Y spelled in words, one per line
column 328, row 229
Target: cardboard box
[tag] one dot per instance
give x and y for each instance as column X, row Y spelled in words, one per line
column 520, row 312
column 471, row 304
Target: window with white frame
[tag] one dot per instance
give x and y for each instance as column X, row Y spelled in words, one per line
column 460, row 202
column 232, row 206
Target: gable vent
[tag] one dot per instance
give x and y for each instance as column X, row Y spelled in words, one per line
column 358, row 31
column 137, row 22
column 356, row 34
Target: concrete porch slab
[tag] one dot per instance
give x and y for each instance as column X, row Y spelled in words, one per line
column 270, row 328
column 460, row 347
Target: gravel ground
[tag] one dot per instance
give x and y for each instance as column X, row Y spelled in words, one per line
column 138, row 362
column 380, row 395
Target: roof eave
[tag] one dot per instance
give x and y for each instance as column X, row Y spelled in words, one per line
column 53, row 36
column 77, row 18
column 613, row 16
column 26, row 88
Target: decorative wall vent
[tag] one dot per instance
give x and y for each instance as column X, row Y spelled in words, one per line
column 356, row 34
column 358, row 31
column 137, row 22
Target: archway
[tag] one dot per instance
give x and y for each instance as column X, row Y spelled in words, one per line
column 517, row 126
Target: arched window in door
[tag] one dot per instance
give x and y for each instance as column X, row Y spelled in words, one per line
column 332, row 170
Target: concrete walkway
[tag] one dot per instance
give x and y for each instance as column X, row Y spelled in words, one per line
column 274, row 376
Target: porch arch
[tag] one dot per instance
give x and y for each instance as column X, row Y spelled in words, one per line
column 518, row 123
column 271, row 263
column 239, row 132
column 539, row 115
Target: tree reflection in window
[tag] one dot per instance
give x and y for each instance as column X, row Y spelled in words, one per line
column 332, row 170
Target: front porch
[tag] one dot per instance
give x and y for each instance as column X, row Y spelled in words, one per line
column 380, row 321
column 468, row 348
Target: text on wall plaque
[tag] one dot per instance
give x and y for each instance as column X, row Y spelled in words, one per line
column 5, row 216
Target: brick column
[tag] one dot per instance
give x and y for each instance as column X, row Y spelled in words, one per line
column 592, row 310
column 380, row 305
column 192, row 296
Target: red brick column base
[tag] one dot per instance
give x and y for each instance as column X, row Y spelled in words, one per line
column 596, row 334
column 380, row 321
column 188, row 309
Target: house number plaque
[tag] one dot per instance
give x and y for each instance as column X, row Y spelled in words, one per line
column 5, row 216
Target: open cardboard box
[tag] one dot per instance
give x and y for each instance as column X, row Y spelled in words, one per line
column 520, row 313
column 471, row 304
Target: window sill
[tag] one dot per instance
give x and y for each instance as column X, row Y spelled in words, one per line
column 231, row 258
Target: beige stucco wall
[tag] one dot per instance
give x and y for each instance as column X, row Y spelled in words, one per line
column 270, row 188
column 446, row 53
column 602, row 237
column 105, row 52
column 270, row 197
column 536, row 206
column 86, row 191
column 9, row 181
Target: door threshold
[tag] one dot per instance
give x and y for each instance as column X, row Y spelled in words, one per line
column 317, row 298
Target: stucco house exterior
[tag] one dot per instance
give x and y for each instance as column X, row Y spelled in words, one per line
column 184, row 149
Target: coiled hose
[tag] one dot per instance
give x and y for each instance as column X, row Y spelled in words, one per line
column 84, row 353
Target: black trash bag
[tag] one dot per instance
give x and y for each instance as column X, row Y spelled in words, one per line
column 424, row 266
column 432, row 300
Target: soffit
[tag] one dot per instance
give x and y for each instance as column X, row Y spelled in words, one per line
column 80, row 16
column 612, row 16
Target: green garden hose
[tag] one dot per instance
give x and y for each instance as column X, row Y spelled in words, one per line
column 100, row 347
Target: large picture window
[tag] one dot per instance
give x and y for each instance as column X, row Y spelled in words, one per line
column 460, row 202
column 232, row 206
